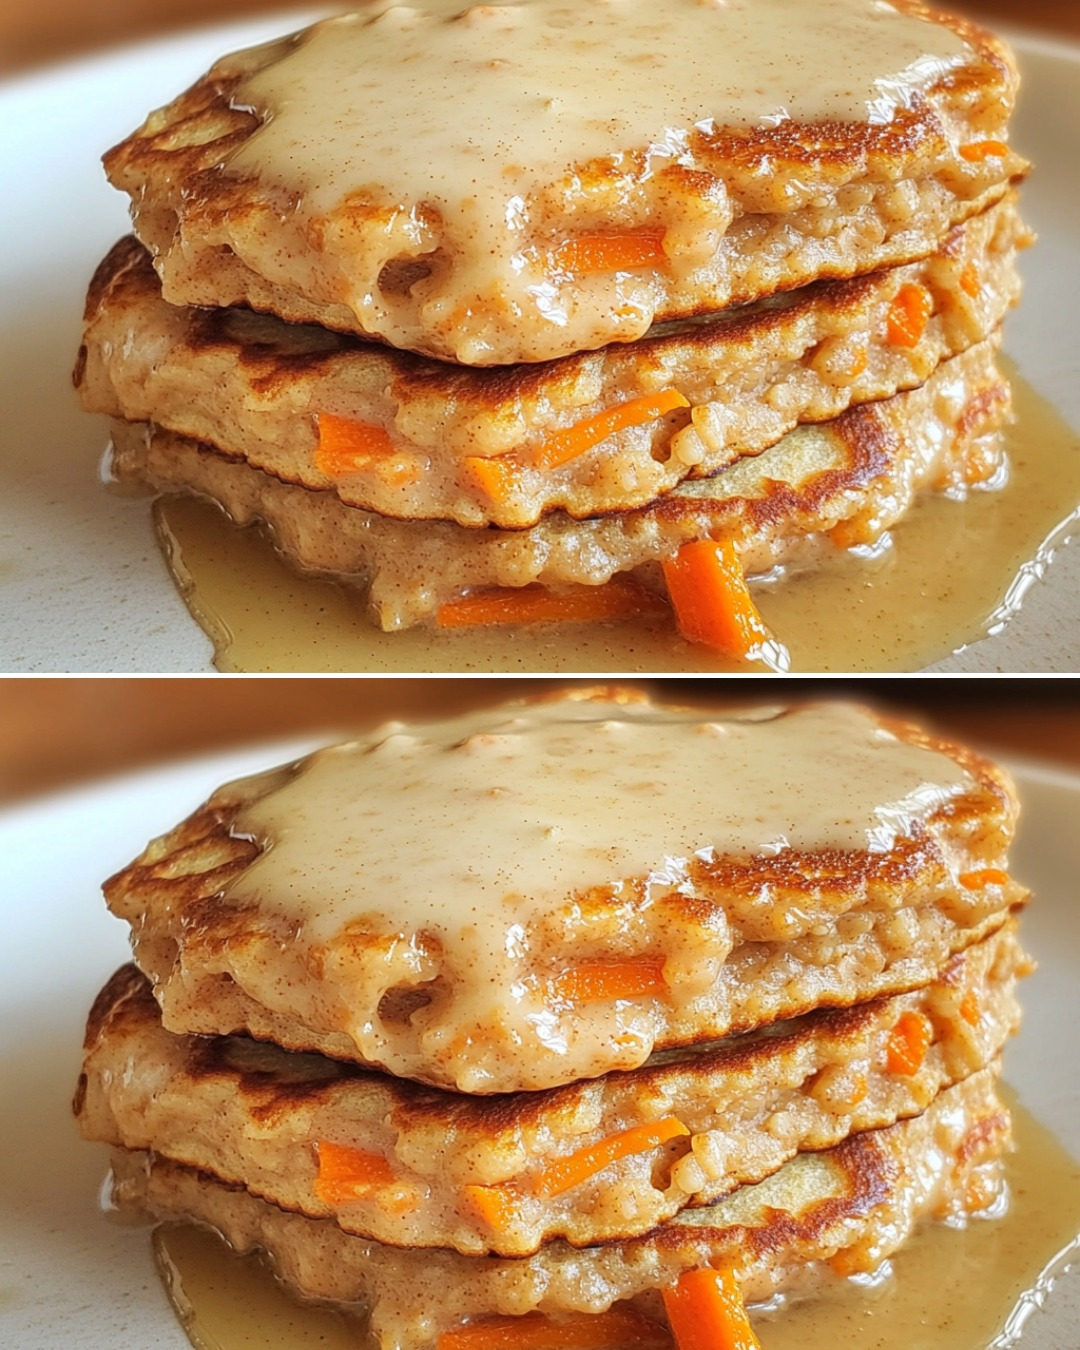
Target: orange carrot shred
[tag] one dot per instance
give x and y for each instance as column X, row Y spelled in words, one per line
column 496, row 476
column 908, row 315
column 706, row 1312
column 565, row 1173
column 712, row 601
column 969, row 1010
column 979, row 150
column 494, row 1204
column 593, row 981
column 908, row 1043
column 616, row 1329
column 859, row 362
column 988, row 876
column 601, row 251
column 349, row 1173
column 347, row 447
column 969, row 280
column 575, row 440
column 618, row 599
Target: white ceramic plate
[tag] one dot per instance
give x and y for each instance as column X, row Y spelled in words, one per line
column 68, row 1277
column 82, row 587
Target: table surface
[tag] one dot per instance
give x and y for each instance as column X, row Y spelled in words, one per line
column 57, row 733
column 33, row 32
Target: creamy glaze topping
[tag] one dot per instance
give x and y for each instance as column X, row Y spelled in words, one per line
column 470, row 828
column 441, row 102
column 471, row 112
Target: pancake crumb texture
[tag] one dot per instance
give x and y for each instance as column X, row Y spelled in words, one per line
column 717, row 935
column 255, row 387
column 748, row 1106
column 819, row 489
column 838, row 1212
column 535, row 220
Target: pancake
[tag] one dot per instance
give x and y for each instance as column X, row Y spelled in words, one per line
column 838, row 1212
column 255, row 387
column 839, row 485
column 527, row 896
column 507, row 1174
column 460, row 185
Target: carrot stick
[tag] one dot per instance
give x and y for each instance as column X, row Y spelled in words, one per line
column 565, row 1173
column 496, row 476
column 979, row 150
column 610, row 251
column 575, row 440
column 908, row 315
column 349, row 1173
column 494, row 1204
column 908, row 1043
column 617, row 1329
column 712, row 601
column 618, row 599
column 594, row 981
column 969, row 280
column 706, row 1312
column 346, row 446
column 989, row 876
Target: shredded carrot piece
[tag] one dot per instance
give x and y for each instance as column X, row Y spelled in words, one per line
column 908, row 315
column 706, row 1312
column 969, row 1010
column 858, row 363
column 989, row 876
column 496, row 476
column 618, row 599
column 969, row 280
column 712, row 601
column 616, row 1329
column 908, row 1042
column 349, row 1173
column 610, row 251
column 595, row 981
column 859, row 1089
column 346, row 446
column 575, row 440
column 979, row 150
column 495, row 1204
column 565, row 1173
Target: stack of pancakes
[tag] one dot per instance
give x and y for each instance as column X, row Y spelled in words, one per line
column 463, row 1055
column 449, row 351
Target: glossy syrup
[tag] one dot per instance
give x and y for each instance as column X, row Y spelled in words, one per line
column 957, row 571
column 980, row 1287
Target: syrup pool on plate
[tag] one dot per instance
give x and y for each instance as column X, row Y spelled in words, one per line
column 957, row 571
column 978, row 1287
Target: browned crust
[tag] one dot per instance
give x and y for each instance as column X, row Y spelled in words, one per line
column 858, row 1209
column 720, row 1093
column 172, row 896
column 179, row 190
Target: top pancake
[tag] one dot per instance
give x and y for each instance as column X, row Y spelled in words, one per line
column 468, row 187
column 543, row 892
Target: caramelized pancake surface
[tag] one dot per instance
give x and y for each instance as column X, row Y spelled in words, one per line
column 475, row 1174
column 849, row 1207
column 476, row 242
column 255, row 387
column 820, row 488
column 613, row 927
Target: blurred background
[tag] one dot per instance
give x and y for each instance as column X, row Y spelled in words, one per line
column 57, row 733
column 33, row 32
